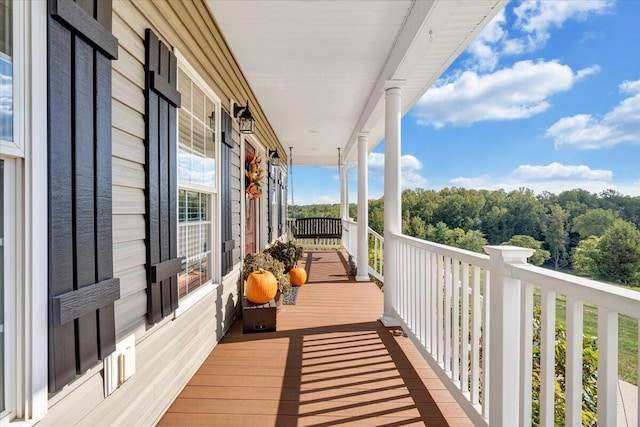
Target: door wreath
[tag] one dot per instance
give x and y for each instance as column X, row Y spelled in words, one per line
column 253, row 176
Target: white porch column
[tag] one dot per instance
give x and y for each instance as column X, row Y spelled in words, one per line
column 392, row 196
column 344, row 193
column 363, row 210
column 504, row 339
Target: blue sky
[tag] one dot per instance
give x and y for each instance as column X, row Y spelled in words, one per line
column 547, row 97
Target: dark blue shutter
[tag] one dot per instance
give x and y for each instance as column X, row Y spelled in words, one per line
column 82, row 289
column 228, row 244
column 280, row 189
column 270, row 193
column 162, row 100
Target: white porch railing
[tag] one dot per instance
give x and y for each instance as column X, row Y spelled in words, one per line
column 350, row 236
column 376, row 247
column 472, row 316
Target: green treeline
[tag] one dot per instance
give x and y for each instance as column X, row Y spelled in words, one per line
column 595, row 235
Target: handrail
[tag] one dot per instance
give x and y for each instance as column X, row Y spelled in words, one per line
column 621, row 300
column 463, row 255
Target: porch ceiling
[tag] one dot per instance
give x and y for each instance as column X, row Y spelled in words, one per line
column 318, row 68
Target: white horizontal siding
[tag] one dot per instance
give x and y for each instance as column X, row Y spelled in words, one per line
column 132, row 280
column 128, row 201
column 126, row 146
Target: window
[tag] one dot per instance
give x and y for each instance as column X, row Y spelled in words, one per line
column 194, row 216
column 2, row 340
column 23, row 210
column 197, row 182
column 6, row 134
column 6, row 71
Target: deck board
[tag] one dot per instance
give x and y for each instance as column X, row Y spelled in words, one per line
column 331, row 362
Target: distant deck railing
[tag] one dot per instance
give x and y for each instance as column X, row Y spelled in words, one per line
column 472, row 317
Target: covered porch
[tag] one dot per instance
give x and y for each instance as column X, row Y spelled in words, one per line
column 467, row 319
column 331, row 362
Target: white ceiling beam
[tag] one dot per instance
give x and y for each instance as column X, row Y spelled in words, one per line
column 414, row 24
column 421, row 30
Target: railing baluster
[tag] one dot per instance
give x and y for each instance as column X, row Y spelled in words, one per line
column 447, row 314
column 547, row 356
column 409, row 256
column 427, row 300
column 475, row 337
column 417, row 302
column 433, row 286
column 412, row 287
column 573, row 405
column 375, row 254
column 424, row 306
column 607, row 366
column 464, row 360
column 405, row 287
column 486, row 354
column 400, row 285
column 526, row 353
column 455, row 339
column 440, row 308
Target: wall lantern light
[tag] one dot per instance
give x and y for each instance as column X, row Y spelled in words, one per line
column 274, row 157
column 245, row 119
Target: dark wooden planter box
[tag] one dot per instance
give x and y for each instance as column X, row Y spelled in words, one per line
column 258, row 317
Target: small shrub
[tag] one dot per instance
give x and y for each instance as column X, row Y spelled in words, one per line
column 589, row 376
column 289, row 253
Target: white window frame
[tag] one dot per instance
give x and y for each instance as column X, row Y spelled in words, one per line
column 26, row 184
column 202, row 291
column 11, row 253
column 16, row 147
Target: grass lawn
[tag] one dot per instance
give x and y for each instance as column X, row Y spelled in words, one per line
column 627, row 336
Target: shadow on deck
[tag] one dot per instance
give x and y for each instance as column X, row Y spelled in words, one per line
column 330, row 363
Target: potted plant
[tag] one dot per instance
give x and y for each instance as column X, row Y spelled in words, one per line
column 264, row 261
column 289, row 253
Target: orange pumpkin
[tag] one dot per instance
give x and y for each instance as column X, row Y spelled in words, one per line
column 261, row 287
column 298, row 276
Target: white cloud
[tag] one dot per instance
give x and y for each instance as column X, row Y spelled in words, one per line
column 558, row 171
column 484, row 57
column 518, row 92
column 554, row 177
column 537, row 17
column 584, row 132
column 479, row 182
column 530, row 31
column 326, row 199
column 409, row 165
column 315, row 199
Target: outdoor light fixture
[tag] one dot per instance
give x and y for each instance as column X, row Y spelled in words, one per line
column 245, row 120
column 274, row 157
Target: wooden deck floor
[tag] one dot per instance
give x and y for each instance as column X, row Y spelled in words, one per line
column 330, row 363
